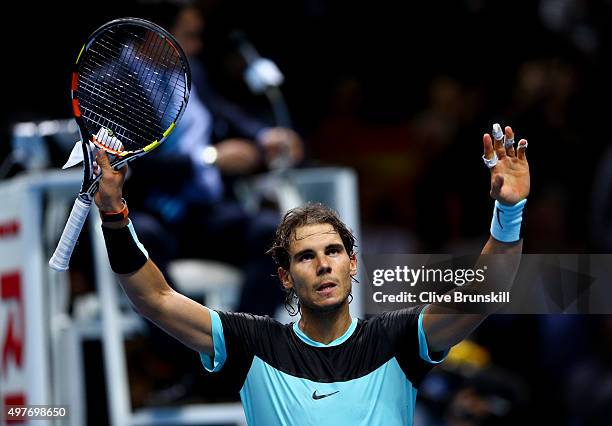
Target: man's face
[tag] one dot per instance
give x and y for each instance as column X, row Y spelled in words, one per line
column 320, row 269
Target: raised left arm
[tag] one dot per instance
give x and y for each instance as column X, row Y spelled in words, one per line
column 444, row 326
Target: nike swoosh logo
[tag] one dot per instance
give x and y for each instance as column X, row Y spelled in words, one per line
column 315, row 396
column 498, row 219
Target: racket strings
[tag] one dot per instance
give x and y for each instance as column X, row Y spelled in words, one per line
column 107, row 142
column 167, row 95
column 152, row 48
column 111, row 99
column 119, row 107
column 133, row 85
column 148, row 78
column 137, row 97
column 183, row 88
column 111, row 116
column 163, row 55
column 136, row 103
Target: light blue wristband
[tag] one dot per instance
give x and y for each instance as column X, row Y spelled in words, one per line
column 506, row 222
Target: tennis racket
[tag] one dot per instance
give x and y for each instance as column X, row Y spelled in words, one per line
column 130, row 86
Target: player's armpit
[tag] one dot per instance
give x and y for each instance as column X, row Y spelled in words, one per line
column 446, row 324
column 445, row 327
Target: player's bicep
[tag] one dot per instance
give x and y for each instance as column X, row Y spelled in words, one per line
column 185, row 320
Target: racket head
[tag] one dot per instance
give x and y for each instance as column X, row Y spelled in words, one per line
column 130, row 86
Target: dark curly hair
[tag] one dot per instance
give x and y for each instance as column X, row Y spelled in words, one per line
column 308, row 214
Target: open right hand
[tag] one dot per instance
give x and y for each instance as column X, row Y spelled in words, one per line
column 510, row 180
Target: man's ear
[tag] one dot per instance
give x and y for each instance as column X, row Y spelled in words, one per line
column 353, row 266
column 285, row 278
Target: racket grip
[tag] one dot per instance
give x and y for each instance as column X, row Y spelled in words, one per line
column 61, row 258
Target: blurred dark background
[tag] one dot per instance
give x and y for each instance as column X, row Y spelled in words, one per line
column 402, row 92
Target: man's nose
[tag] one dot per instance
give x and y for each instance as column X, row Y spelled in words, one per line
column 323, row 266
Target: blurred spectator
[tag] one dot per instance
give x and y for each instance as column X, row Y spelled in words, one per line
column 491, row 397
column 470, row 390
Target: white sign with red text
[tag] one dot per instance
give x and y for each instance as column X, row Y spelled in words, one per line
column 24, row 329
column 13, row 377
column 26, row 291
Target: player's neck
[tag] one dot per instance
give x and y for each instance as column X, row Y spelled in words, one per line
column 325, row 327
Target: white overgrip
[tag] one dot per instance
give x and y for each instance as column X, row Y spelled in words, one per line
column 61, row 258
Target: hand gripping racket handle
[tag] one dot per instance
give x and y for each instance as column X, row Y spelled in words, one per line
column 61, row 258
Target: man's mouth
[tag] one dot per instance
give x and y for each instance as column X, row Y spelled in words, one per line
column 326, row 288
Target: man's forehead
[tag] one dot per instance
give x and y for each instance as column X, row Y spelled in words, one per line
column 310, row 233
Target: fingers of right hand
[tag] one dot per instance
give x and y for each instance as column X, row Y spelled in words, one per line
column 522, row 147
column 102, row 159
column 498, row 141
column 510, row 137
column 108, row 172
column 488, row 146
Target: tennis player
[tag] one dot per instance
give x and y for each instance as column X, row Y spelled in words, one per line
column 328, row 368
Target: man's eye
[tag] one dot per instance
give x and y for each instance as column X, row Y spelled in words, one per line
column 306, row 257
column 333, row 251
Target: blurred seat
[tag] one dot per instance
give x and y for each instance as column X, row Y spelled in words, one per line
column 214, row 283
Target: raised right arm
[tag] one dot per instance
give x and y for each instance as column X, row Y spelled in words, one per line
column 146, row 287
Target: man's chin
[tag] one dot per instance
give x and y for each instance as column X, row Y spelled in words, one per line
column 329, row 305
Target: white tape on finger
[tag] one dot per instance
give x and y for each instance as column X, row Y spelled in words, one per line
column 498, row 134
column 492, row 162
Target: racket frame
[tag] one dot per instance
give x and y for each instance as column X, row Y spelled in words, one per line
column 61, row 257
